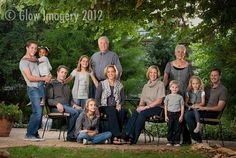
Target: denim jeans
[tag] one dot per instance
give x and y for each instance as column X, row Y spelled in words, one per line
column 98, row 138
column 190, row 119
column 137, row 121
column 72, row 119
column 81, row 102
column 35, row 95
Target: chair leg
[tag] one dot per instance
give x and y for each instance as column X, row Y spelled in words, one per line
column 60, row 120
column 205, row 132
column 45, row 127
column 221, row 133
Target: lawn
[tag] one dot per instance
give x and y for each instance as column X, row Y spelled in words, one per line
column 62, row 152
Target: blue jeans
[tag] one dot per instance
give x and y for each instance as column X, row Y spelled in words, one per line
column 35, row 95
column 98, row 138
column 81, row 102
column 72, row 119
column 137, row 121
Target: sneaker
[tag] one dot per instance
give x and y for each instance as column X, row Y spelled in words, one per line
column 106, row 141
column 168, row 144
column 33, row 139
column 85, row 141
column 177, row 145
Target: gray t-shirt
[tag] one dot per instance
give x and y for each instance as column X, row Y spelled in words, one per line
column 173, row 102
column 80, row 88
column 100, row 60
column 33, row 67
column 214, row 95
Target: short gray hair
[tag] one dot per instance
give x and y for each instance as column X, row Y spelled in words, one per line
column 103, row 37
column 180, row 46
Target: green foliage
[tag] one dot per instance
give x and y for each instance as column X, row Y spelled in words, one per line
column 9, row 111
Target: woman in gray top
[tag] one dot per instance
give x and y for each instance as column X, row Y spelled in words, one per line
column 179, row 69
column 87, row 125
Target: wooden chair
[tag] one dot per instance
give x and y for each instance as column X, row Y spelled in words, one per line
column 213, row 121
column 56, row 115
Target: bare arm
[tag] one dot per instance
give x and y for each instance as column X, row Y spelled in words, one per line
column 165, row 79
column 166, row 116
column 32, row 78
column 68, row 79
column 219, row 107
column 94, row 80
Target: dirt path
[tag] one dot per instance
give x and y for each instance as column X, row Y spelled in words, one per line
column 17, row 135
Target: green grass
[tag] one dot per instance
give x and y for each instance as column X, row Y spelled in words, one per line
column 62, row 152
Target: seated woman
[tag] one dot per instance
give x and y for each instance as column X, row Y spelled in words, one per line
column 152, row 96
column 87, row 125
column 110, row 99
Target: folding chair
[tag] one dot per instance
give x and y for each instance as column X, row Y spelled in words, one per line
column 213, row 121
column 56, row 115
column 156, row 119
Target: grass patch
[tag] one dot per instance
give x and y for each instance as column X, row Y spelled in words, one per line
column 62, row 152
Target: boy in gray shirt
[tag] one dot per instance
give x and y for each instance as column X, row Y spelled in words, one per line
column 174, row 111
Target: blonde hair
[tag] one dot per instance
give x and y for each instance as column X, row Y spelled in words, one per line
column 88, row 69
column 87, row 104
column 180, row 46
column 153, row 67
column 174, row 82
column 190, row 87
column 111, row 66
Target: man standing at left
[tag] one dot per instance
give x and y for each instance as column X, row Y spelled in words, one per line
column 35, row 90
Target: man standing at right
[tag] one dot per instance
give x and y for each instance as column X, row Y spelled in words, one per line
column 104, row 57
column 216, row 97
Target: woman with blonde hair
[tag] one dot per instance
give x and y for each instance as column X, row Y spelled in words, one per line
column 150, row 104
column 110, row 98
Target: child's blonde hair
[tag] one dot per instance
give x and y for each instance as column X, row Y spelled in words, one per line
column 190, row 87
column 88, row 69
column 174, row 82
column 87, row 104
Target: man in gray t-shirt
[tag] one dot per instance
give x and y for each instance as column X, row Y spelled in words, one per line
column 216, row 98
column 35, row 90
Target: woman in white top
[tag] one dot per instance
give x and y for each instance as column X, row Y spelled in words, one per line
column 80, row 90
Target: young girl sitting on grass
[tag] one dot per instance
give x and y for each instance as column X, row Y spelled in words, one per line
column 87, row 125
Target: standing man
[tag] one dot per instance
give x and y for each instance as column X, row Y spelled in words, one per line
column 104, row 57
column 216, row 97
column 60, row 99
column 35, row 90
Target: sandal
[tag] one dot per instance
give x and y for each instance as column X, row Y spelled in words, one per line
column 117, row 141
